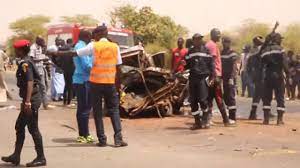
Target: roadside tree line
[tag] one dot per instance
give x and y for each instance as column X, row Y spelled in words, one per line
column 158, row 33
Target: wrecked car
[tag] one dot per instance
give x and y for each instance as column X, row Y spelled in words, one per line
column 147, row 87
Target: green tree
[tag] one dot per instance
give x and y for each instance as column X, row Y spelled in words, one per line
column 85, row 20
column 244, row 34
column 159, row 33
column 28, row 28
column 291, row 38
column 125, row 14
column 153, row 28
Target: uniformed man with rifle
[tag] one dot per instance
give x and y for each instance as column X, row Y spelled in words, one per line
column 273, row 65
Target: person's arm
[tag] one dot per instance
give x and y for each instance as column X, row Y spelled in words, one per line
column 32, row 52
column 118, row 78
column 234, row 69
column 234, row 66
column 241, row 64
column 88, row 50
column 212, row 50
column 27, row 69
column 285, row 65
column 118, row 72
column 187, row 61
column 4, row 55
column 62, row 53
column 177, row 65
column 28, row 93
column 85, row 63
column 212, row 69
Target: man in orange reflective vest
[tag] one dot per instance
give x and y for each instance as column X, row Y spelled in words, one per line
column 104, row 81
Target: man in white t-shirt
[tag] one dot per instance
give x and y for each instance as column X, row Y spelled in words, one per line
column 246, row 80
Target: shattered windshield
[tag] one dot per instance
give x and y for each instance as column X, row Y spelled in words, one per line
column 123, row 39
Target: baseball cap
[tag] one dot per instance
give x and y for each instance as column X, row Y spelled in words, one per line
column 197, row 35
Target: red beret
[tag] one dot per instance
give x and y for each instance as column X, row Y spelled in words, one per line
column 21, row 43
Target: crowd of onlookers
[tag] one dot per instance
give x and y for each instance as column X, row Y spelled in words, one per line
column 62, row 71
column 56, row 72
column 292, row 84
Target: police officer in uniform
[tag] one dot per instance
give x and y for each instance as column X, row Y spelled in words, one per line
column 229, row 65
column 28, row 80
column 293, row 78
column 273, row 64
column 201, row 66
column 255, row 70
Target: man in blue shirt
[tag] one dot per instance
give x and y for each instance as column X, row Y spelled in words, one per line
column 81, row 75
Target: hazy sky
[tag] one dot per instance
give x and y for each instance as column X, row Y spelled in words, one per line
column 197, row 15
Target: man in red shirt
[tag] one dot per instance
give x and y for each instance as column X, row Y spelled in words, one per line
column 215, row 91
column 178, row 54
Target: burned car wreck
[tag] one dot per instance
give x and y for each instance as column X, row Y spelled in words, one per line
column 148, row 88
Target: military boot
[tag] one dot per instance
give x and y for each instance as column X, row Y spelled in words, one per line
column 253, row 115
column 37, row 162
column 266, row 117
column 15, row 157
column 40, row 160
column 232, row 115
column 198, row 123
column 206, row 121
column 210, row 115
column 225, row 119
column 280, row 118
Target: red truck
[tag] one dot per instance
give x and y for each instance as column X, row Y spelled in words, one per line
column 124, row 37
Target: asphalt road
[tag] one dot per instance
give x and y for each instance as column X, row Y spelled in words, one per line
column 243, row 104
column 155, row 142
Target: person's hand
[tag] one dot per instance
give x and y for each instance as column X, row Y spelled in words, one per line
column 217, row 80
column 210, row 81
column 269, row 37
column 290, row 81
column 182, row 62
column 231, row 82
column 27, row 108
column 51, row 53
column 48, row 52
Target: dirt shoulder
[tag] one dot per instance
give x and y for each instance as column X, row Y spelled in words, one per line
column 164, row 142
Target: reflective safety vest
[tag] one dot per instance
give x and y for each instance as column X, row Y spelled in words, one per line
column 105, row 62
